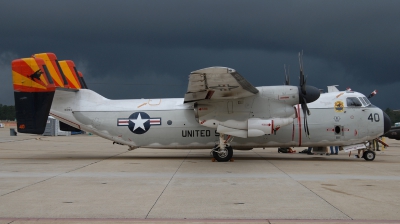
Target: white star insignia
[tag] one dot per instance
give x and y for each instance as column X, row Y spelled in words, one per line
column 139, row 123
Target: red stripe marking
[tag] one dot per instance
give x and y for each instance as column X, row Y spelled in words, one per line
column 155, row 121
column 27, row 69
column 31, row 89
column 71, row 84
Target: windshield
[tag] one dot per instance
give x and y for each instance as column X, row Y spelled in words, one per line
column 362, row 101
column 353, row 102
column 367, row 101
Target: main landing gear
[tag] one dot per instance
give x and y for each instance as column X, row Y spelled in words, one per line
column 223, row 151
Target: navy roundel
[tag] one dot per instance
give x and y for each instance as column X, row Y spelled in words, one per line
column 139, row 122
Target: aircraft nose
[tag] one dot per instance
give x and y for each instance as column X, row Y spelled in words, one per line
column 387, row 123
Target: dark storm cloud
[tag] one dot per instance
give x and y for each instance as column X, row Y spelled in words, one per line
column 350, row 43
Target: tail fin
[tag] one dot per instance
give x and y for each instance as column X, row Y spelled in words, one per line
column 75, row 82
column 66, row 75
column 54, row 69
column 33, row 94
column 82, row 80
column 72, row 74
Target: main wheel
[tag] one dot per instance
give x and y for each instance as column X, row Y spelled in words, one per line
column 369, row 155
column 223, row 155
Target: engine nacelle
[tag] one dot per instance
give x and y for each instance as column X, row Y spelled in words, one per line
column 255, row 127
column 260, row 127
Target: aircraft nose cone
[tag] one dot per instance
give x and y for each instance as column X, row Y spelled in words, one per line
column 311, row 94
column 387, row 123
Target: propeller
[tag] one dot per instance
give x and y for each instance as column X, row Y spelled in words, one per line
column 307, row 94
column 287, row 76
column 302, row 77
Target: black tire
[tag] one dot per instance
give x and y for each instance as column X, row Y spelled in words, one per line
column 363, row 155
column 369, row 155
column 223, row 156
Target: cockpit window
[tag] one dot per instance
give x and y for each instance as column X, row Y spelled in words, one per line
column 362, row 101
column 367, row 101
column 353, row 102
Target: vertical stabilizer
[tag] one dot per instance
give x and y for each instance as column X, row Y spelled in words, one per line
column 83, row 83
column 33, row 94
column 68, row 67
column 54, row 69
column 65, row 74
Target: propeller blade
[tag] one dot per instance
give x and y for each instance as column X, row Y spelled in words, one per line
column 304, row 103
column 287, row 77
column 306, row 112
column 302, row 78
column 306, row 94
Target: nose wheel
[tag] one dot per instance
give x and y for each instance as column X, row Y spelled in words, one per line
column 369, row 155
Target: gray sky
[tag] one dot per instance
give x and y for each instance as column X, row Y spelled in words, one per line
column 146, row 49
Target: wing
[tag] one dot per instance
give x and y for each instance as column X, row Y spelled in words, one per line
column 217, row 83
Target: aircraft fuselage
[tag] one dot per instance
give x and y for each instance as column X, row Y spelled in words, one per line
column 169, row 123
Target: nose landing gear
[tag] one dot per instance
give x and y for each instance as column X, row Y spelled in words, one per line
column 369, row 155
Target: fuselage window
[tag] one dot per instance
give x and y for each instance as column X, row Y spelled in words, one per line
column 353, row 102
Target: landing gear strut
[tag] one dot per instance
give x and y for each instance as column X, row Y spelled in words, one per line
column 223, row 152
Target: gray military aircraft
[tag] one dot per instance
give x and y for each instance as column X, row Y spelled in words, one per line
column 220, row 111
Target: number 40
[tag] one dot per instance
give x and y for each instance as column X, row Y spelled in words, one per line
column 373, row 118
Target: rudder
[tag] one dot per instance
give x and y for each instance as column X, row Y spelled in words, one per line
column 33, row 94
column 64, row 75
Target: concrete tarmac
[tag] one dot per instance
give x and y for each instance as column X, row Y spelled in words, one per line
column 87, row 179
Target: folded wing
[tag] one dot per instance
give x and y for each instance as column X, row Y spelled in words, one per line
column 217, row 83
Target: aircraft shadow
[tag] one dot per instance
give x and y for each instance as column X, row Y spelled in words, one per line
column 183, row 157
